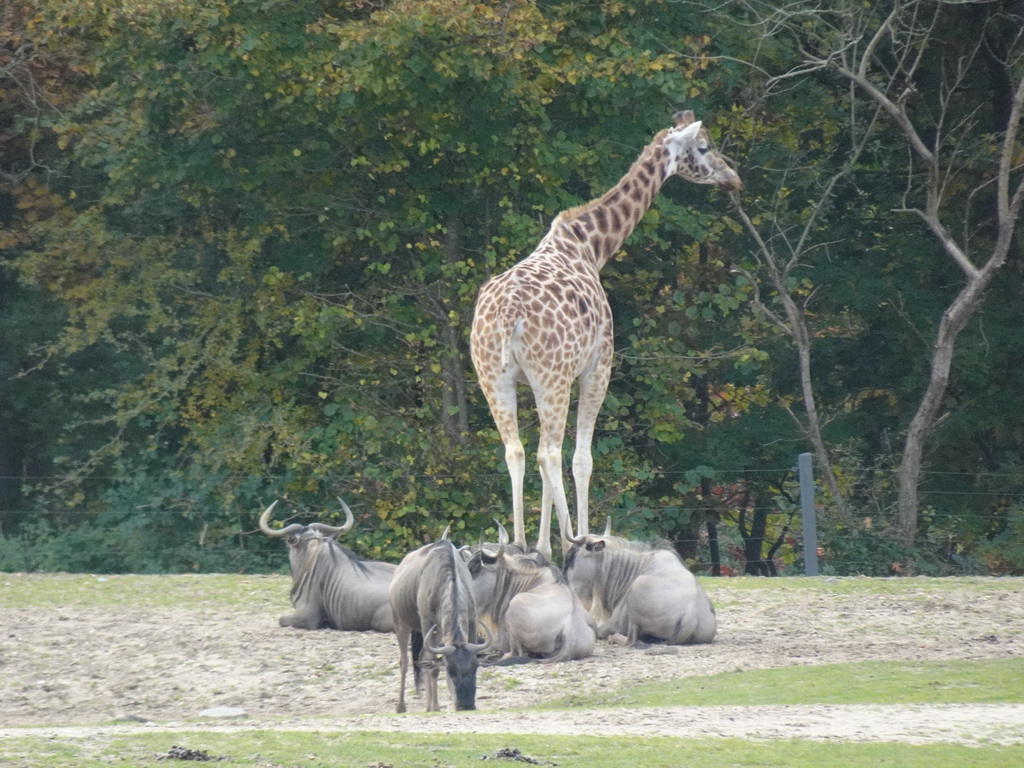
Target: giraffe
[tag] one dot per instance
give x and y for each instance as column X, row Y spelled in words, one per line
column 546, row 321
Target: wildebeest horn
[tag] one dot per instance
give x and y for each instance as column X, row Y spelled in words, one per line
column 447, row 530
column 481, row 647
column 608, row 526
column 502, row 534
column 265, row 527
column 502, row 539
column 335, row 531
column 441, row 650
column 565, row 532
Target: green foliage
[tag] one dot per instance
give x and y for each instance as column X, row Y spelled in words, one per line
column 244, row 262
column 43, row 547
column 270, row 238
column 1003, row 552
column 869, row 551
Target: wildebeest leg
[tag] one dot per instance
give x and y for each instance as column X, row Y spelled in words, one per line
column 430, row 682
column 402, row 633
column 616, row 624
column 303, row 619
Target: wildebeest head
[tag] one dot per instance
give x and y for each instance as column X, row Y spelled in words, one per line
column 461, row 660
column 586, row 550
column 584, row 553
column 486, row 560
column 305, row 542
column 602, row 568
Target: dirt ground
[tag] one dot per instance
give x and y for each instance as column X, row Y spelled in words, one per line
column 75, row 667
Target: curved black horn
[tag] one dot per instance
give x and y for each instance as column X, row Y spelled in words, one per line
column 441, row 650
column 487, row 557
column 502, row 542
column 485, row 645
column 565, row 532
column 335, row 531
column 265, row 525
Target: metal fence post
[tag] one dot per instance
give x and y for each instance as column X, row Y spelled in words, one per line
column 810, row 530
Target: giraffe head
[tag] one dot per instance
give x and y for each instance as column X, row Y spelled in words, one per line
column 694, row 158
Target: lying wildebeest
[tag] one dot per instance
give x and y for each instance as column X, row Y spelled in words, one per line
column 639, row 590
column 529, row 606
column 432, row 601
column 332, row 587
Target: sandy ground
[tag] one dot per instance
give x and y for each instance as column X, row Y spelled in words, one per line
column 69, row 670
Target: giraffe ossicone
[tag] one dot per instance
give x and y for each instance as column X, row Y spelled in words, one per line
column 546, row 321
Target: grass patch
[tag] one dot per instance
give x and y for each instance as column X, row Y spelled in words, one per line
column 256, row 593
column 860, row 585
column 270, row 749
column 982, row 681
column 261, row 592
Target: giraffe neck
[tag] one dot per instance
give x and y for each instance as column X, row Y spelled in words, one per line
column 605, row 223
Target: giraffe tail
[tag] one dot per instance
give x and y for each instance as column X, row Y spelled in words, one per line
column 509, row 331
column 510, row 328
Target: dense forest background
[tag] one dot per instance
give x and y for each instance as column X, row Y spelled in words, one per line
column 241, row 241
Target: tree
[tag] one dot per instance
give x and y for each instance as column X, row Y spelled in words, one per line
column 271, row 237
column 911, row 63
column 36, row 84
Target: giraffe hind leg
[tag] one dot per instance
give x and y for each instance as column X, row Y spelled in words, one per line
column 553, row 410
column 501, row 399
column 593, row 386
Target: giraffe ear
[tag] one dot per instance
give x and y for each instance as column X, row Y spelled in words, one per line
column 684, row 118
column 683, row 136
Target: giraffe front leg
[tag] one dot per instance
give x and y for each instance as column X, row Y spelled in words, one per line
column 582, row 470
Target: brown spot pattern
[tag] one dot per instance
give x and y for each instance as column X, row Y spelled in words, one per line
column 548, row 318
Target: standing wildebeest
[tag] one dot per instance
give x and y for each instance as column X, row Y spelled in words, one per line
column 529, row 605
column 432, row 601
column 331, row 587
column 639, row 590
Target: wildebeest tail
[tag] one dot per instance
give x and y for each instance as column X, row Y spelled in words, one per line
column 415, row 647
column 511, row 661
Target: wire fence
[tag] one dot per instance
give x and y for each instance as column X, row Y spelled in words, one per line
column 866, row 545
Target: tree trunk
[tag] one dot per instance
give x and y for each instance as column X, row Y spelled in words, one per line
column 941, row 163
column 954, row 320
column 454, row 407
column 716, row 556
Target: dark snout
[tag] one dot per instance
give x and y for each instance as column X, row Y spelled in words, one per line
column 461, row 669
